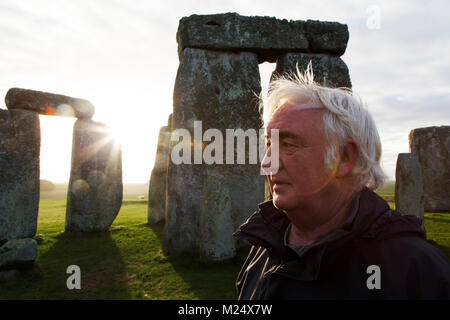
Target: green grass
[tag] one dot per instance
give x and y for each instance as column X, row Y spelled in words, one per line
column 127, row 262
column 437, row 225
column 388, row 192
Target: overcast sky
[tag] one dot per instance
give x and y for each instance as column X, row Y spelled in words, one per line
column 122, row 56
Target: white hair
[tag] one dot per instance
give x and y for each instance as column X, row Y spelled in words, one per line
column 345, row 117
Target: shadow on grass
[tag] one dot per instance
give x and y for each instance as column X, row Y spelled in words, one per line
column 206, row 280
column 157, row 228
column 213, row 280
column 103, row 273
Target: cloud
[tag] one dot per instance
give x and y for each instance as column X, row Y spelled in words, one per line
column 122, row 55
column 397, row 115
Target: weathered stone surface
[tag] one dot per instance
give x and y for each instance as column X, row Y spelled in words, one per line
column 17, row 253
column 48, row 103
column 328, row 70
column 326, row 37
column 408, row 185
column 216, row 225
column 20, row 141
column 95, row 189
column 218, row 89
column 432, row 147
column 268, row 37
column 157, row 187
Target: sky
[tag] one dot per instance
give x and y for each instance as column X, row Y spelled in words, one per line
column 122, row 56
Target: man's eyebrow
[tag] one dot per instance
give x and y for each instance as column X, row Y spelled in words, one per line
column 284, row 135
column 288, row 134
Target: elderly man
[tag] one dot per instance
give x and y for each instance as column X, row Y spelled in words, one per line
column 325, row 234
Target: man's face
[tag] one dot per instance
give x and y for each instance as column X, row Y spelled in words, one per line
column 302, row 174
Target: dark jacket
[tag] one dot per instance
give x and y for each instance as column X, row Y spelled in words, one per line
column 336, row 265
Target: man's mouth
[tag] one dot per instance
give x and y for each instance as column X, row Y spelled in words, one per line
column 279, row 182
column 278, row 185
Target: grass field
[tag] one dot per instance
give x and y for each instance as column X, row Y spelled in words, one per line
column 127, row 262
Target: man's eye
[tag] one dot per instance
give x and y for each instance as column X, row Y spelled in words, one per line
column 287, row 145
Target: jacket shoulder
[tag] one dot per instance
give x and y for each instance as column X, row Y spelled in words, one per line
column 409, row 262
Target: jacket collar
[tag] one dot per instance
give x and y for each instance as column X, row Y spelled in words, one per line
column 370, row 217
column 267, row 228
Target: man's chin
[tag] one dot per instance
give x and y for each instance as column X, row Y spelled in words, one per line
column 281, row 204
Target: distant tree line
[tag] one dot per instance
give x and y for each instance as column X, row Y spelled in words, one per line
column 46, row 185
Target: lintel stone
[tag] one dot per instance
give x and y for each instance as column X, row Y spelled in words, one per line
column 48, row 103
column 268, row 37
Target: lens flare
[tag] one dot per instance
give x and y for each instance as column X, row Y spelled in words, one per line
column 64, row 110
column 80, row 187
column 49, row 111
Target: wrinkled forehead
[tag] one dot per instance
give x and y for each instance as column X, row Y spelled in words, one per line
column 298, row 103
column 289, row 111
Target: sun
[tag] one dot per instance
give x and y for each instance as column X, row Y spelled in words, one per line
column 135, row 128
column 117, row 133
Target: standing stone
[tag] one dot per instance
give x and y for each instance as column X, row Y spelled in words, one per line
column 20, row 141
column 408, row 185
column 329, row 71
column 157, row 187
column 18, row 253
column 432, row 147
column 95, row 190
column 216, row 225
column 218, row 89
column 48, row 103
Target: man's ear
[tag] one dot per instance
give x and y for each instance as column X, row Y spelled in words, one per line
column 349, row 158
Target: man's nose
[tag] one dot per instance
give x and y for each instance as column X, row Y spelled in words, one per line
column 265, row 163
column 269, row 164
